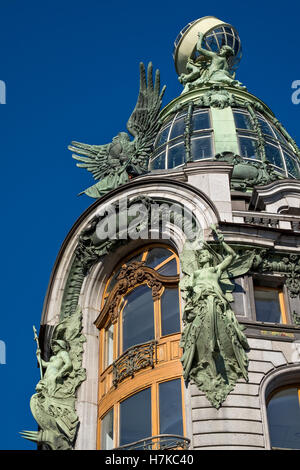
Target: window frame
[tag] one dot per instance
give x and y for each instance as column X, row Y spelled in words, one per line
column 155, row 410
column 117, row 330
column 278, row 389
column 270, row 282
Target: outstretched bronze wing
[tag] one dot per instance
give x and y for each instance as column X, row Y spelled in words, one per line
column 95, row 159
column 143, row 123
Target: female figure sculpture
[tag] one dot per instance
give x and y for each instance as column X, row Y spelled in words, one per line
column 214, row 346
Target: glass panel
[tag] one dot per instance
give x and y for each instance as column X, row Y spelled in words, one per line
column 200, row 121
column 157, row 256
column 279, row 135
column 159, row 163
column 267, row 306
column 162, row 137
column 177, row 128
column 176, row 155
column 265, row 128
column 228, row 29
column 169, row 269
column 211, row 43
column 107, row 431
column 229, row 39
column 109, row 342
column 248, row 148
column 273, row 155
column 284, row 419
column 135, row 417
column 170, row 407
column 291, row 165
column 242, row 121
column 170, row 313
column 138, row 317
column 221, row 39
column 201, row 148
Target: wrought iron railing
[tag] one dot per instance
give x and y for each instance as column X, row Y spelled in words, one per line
column 134, row 359
column 160, row 442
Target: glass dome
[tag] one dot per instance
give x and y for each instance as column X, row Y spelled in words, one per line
column 221, row 36
column 193, row 137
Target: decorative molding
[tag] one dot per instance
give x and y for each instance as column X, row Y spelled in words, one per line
column 130, row 276
column 248, row 174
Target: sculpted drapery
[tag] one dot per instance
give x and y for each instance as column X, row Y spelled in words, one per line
column 214, row 346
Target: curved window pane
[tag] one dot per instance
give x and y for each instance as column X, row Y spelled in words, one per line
column 170, row 313
column 212, row 43
column 279, row 135
column 162, row 137
column 229, row 39
column 177, row 128
column 138, row 317
column 109, row 342
column 107, row 431
column 169, row 269
column 291, row 165
column 157, row 256
column 248, row 148
column 160, row 162
column 242, row 121
column 273, row 155
column 170, row 408
column 265, row 128
column 135, row 417
column 176, row 155
column 201, row 148
column 284, row 419
column 200, row 121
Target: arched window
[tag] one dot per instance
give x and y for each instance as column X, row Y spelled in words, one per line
column 140, row 368
column 145, row 297
column 283, row 411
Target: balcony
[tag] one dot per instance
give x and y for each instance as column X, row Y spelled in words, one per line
column 160, row 442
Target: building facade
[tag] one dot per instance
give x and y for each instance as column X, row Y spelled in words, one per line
column 172, row 316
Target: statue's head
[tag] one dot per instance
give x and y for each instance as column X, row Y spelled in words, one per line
column 204, row 257
column 121, row 136
column 226, row 51
column 58, row 344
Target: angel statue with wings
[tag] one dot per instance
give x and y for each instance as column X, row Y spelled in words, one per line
column 53, row 406
column 214, row 346
column 116, row 163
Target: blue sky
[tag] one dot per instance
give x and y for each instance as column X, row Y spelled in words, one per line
column 71, row 72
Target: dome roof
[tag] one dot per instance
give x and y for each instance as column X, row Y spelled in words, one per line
column 204, row 123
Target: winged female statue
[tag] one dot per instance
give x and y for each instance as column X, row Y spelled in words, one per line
column 116, row 163
column 214, row 346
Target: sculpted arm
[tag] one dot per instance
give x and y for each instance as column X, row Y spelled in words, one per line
column 230, row 252
column 200, row 48
column 67, row 367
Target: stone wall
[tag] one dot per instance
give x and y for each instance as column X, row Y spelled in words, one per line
column 240, row 423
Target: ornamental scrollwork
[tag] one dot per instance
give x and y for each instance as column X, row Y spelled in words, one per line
column 131, row 276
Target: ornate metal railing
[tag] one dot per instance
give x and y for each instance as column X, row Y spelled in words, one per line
column 160, row 442
column 135, row 358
